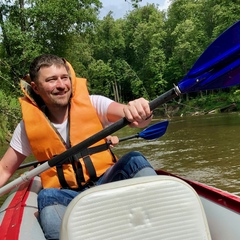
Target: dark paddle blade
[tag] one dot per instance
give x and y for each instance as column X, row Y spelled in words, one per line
column 154, row 131
column 218, row 66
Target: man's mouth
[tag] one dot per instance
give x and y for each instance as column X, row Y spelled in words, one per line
column 60, row 93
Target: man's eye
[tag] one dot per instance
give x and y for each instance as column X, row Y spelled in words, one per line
column 50, row 79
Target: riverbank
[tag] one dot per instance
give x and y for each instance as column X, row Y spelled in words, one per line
column 201, row 105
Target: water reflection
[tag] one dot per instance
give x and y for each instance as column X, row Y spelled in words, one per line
column 202, row 148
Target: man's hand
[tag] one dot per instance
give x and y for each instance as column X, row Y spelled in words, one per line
column 113, row 140
column 138, row 113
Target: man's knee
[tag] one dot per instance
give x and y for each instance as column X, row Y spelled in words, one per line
column 47, row 197
column 137, row 157
column 142, row 166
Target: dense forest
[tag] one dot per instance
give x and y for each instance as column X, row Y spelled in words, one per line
column 142, row 54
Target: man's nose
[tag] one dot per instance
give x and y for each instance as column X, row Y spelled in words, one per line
column 60, row 83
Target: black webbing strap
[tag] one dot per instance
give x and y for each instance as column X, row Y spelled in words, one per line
column 77, row 166
column 61, row 177
column 85, row 155
column 90, row 168
column 78, row 170
column 113, row 155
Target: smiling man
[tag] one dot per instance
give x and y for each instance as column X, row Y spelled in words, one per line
column 58, row 113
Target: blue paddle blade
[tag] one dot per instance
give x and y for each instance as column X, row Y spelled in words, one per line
column 218, row 66
column 154, row 131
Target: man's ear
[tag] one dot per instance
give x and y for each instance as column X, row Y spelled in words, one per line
column 34, row 87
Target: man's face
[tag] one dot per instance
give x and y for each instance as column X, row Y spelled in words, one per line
column 53, row 86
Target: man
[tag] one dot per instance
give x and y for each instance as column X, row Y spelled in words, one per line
column 58, row 113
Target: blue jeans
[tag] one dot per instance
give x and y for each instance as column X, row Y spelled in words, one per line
column 52, row 202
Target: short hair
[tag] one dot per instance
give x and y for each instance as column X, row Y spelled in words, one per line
column 45, row 60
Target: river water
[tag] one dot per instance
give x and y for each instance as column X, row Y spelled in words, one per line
column 201, row 148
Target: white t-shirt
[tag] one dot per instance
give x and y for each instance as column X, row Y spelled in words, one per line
column 20, row 142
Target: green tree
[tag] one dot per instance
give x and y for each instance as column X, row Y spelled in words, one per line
column 188, row 47
column 144, row 36
column 108, row 39
column 101, row 75
column 33, row 27
column 186, row 38
column 218, row 15
column 109, row 47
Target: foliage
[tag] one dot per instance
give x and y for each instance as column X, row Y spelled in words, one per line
column 9, row 117
column 32, row 27
column 144, row 35
column 100, row 73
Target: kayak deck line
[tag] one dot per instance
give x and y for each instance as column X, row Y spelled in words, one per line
column 13, row 216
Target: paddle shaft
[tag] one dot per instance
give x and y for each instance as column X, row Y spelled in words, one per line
column 35, row 163
column 61, row 158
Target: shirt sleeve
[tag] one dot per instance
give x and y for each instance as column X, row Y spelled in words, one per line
column 19, row 141
column 101, row 104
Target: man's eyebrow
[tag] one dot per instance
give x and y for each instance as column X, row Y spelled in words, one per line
column 53, row 76
column 56, row 76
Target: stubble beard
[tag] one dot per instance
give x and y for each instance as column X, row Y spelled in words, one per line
column 61, row 102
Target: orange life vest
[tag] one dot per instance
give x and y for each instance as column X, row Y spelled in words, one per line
column 46, row 142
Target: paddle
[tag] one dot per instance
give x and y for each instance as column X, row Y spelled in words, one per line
column 217, row 67
column 150, row 133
